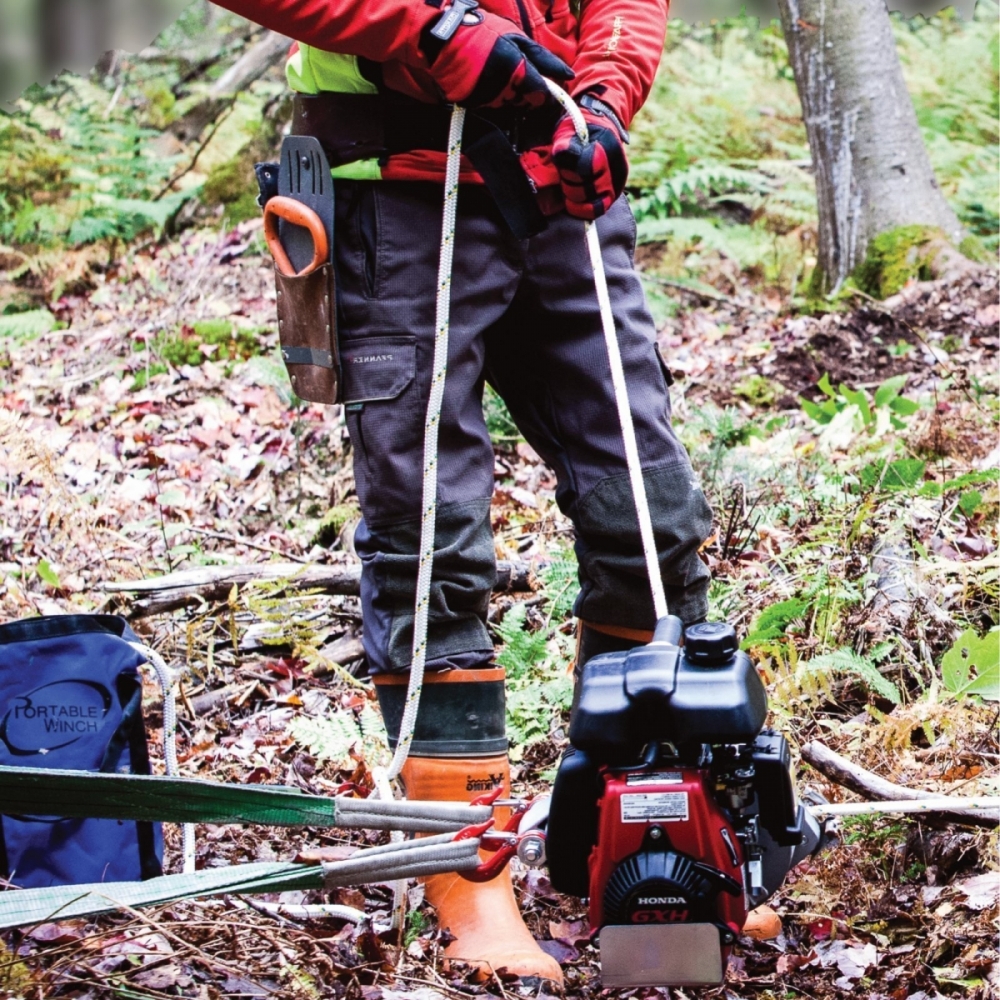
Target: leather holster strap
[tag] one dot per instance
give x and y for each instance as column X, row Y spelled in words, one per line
column 354, row 127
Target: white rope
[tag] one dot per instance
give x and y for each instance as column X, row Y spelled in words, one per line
column 432, row 423
column 618, row 382
column 428, row 515
column 937, row 804
column 168, row 682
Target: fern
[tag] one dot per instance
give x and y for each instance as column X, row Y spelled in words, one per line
column 332, row 739
column 846, row 661
column 26, row 325
column 559, row 583
column 689, row 186
column 771, row 623
column 522, row 649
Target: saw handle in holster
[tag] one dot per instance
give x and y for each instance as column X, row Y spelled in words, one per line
column 299, row 215
column 306, row 303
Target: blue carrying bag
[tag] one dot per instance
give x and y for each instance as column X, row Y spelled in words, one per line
column 71, row 697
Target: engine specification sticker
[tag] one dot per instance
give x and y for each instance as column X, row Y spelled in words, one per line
column 655, row 778
column 646, row 807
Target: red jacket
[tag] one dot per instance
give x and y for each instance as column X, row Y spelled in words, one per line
column 613, row 44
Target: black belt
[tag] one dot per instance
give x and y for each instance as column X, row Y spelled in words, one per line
column 354, row 127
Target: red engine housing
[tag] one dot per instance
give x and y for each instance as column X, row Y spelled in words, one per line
column 681, row 803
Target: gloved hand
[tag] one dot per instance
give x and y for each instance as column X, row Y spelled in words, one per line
column 592, row 173
column 489, row 62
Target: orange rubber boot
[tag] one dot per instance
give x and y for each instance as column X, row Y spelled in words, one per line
column 483, row 917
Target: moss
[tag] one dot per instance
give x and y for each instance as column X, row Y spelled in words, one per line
column 184, row 347
column 233, row 185
column 896, row 257
column 756, row 390
column 975, row 249
column 332, row 524
column 161, row 104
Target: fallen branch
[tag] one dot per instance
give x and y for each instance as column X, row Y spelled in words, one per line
column 342, row 652
column 850, row 775
column 214, row 583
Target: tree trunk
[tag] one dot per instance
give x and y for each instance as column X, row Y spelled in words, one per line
column 872, row 169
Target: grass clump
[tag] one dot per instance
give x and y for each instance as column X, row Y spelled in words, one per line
column 215, row 338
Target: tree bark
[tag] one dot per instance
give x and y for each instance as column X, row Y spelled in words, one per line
column 872, row 170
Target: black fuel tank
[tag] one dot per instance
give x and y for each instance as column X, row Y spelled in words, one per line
column 705, row 692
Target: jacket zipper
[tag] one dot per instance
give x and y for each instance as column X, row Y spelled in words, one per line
column 525, row 20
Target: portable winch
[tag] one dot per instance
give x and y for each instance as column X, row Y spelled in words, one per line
column 673, row 809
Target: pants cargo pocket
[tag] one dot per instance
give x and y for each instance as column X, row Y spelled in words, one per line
column 378, row 368
column 385, row 417
column 307, row 332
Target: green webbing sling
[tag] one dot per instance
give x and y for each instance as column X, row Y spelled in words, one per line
column 19, row 907
column 39, row 792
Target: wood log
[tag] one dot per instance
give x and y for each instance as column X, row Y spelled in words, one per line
column 850, row 775
column 214, row 583
column 250, row 66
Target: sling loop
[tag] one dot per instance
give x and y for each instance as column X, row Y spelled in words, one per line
column 168, row 683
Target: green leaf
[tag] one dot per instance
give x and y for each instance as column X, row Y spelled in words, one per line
column 904, row 473
column 871, row 474
column 523, row 649
column 973, row 479
column 859, row 399
column 904, row 406
column 889, row 390
column 824, row 386
column 818, row 412
column 327, row 739
column 771, row 623
column 172, row 498
column 972, row 665
column 47, row 574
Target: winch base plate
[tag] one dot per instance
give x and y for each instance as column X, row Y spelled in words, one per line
column 661, row 955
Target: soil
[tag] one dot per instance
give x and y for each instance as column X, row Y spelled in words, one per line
column 929, row 328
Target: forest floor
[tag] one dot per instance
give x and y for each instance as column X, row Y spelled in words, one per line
column 856, row 540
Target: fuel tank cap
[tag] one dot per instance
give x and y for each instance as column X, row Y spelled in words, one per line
column 710, row 644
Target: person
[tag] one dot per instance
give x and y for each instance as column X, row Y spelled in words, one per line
column 375, row 79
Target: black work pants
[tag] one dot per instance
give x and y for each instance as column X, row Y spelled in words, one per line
column 524, row 317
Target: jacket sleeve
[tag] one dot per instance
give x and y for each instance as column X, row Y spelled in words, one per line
column 380, row 30
column 619, row 49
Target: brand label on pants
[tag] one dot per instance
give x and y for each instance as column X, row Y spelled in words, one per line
column 648, row 807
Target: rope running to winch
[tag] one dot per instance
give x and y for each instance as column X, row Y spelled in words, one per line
column 433, row 418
